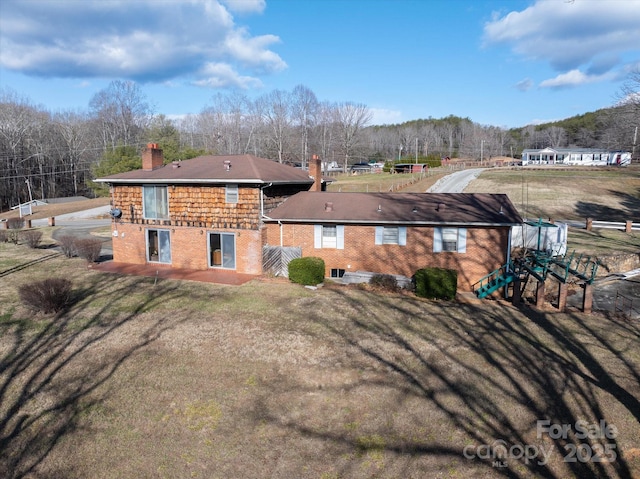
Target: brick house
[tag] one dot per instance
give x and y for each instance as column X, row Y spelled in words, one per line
column 200, row 213
column 219, row 211
column 398, row 233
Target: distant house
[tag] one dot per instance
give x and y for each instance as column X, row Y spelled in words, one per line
column 220, row 211
column 575, row 156
column 398, row 233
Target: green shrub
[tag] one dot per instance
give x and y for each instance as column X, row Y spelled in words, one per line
column 88, row 248
column 49, row 295
column 436, row 283
column 33, row 238
column 386, row 282
column 307, row 271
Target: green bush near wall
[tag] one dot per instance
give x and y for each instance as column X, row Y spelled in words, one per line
column 307, row 271
column 436, row 283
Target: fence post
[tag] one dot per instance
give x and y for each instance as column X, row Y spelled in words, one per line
column 52, row 221
column 627, row 226
column 28, row 224
column 589, row 224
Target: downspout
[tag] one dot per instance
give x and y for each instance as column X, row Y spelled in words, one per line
column 281, row 234
column 506, row 288
column 262, row 199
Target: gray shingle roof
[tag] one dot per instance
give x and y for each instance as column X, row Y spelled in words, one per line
column 481, row 209
column 211, row 169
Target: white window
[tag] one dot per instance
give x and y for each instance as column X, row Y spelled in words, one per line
column 155, row 202
column 328, row 236
column 450, row 239
column 231, row 194
column 391, row 235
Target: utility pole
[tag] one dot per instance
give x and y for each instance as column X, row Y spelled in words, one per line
column 416, row 150
column 635, row 138
column 481, row 151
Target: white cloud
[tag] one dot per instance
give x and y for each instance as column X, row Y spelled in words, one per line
column 382, row 116
column 245, row 6
column 569, row 35
column 525, row 84
column 572, row 78
column 221, row 75
column 145, row 40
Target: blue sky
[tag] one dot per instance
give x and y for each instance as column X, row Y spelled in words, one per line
column 506, row 63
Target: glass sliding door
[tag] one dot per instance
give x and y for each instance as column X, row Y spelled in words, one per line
column 158, row 246
column 222, row 250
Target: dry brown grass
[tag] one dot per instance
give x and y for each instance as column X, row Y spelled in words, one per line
column 611, row 194
column 178, row 379
column 48, row 211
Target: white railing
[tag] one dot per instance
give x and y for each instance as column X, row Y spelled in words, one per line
column 627, row 226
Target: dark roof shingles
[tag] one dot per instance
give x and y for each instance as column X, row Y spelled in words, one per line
column 210, row 168
column 398, row 208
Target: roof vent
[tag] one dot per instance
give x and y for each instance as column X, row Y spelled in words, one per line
column 501, row 210
column 440, row 207
column 328, row 206
column 415, row 209
column 379, row 210
column 175, row 164
column 227, row 165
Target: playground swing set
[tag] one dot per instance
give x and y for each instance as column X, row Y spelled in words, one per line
column 542, row 265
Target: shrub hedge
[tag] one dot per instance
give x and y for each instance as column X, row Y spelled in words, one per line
column 436, row 283
column 88, row 248
column 49, row 295
column 386, row 282
column 307, row 271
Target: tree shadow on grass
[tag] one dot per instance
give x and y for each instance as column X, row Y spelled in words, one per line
column 630, row 205
column 487, row 377
column 52, row 367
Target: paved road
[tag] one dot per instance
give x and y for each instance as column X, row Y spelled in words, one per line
column 80, row 224
column 455, row 182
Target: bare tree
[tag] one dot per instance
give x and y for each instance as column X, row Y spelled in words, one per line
column 276, row 111
column 123, row 112
column 72, row 128
column 304, row 112
column 350, row 119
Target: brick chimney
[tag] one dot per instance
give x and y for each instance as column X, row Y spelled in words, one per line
column 152, row 157
column 315, row 171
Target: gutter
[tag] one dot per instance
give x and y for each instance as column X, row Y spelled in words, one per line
column 389, row 222
column 214, row 181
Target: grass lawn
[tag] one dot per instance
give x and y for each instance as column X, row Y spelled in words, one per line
column 608, row 194
column 174, row 379
column 386, row 182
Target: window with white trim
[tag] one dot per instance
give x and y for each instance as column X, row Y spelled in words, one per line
column 391, row 235
column 158, row 246
column 450, row 240
column 328, row 236
column 231, row 194
column 155, row 202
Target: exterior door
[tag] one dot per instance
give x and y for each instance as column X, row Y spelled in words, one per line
column 222, row 250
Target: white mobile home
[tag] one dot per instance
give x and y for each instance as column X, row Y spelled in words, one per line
column 575, row 156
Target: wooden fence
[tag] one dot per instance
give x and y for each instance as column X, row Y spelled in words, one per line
column 275, row 259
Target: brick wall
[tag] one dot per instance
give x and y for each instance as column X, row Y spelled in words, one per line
column 189, row 247
column 486, row 251
column 195, row 211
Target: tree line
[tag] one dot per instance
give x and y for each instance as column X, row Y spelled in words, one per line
column 46, row 154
